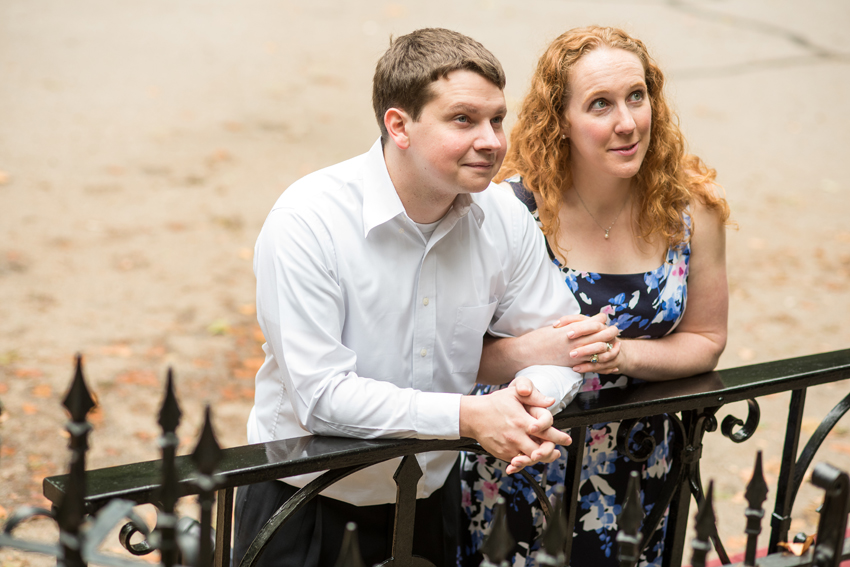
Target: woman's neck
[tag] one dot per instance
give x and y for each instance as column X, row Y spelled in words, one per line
column 601, row 194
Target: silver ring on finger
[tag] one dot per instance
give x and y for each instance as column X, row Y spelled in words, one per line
column 594, row 359
column 608, row 346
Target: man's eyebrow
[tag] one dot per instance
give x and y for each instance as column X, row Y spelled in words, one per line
column 467, row 108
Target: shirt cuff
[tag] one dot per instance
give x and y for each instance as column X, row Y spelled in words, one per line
column 559, row 382
column 437, row 415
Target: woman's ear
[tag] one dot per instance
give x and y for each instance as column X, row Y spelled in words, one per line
column 397, row 123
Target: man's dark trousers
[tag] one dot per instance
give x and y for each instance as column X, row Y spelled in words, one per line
column 313, row 536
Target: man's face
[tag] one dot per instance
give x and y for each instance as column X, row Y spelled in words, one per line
column 458, row 143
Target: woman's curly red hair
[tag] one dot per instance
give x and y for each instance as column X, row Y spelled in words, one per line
column 668, row 180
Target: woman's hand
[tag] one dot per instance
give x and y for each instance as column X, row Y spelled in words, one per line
column 553, row 345
column 594, row 350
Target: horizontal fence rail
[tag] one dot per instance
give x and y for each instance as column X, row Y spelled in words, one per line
column 690, row 403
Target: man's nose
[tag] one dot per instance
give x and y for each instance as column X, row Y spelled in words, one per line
column 488, row 139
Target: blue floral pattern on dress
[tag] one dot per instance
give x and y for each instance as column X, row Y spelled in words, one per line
column 642, row 306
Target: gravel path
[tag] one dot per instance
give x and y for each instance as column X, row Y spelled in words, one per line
column 142, row 144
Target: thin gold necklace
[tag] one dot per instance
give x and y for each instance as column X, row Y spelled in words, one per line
column 607, row 230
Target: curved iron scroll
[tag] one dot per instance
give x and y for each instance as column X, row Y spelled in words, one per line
column 291, row 506
column 814, row 443
column 644, row 440
column 747, row 429
column 127, row 532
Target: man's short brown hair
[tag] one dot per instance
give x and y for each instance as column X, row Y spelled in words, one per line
column 405, row 72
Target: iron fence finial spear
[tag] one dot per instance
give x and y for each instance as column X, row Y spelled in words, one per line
column 555, row 537
column 756, row 494
column 705, row 526
column 206, row 456
column 349, row 554
column 499, row 544
column 71, row 511
column 629, row 521
column 169, row 419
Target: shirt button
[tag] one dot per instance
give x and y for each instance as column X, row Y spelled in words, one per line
column 423, row 352
column 401, row 231
column 425, row 301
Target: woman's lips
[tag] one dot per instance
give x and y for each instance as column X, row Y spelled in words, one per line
column 626, row 150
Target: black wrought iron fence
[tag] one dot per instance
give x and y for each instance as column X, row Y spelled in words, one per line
column 87, row 504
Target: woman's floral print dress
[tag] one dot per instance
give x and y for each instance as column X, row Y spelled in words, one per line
column 643, row 306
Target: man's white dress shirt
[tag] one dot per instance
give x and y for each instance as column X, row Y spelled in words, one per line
column 374, row 332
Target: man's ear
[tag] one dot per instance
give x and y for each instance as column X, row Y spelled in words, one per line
column 397, row 123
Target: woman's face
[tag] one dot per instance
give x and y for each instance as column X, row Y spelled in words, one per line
column 608, row 117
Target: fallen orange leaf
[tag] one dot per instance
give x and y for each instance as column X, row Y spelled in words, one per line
column 121, row 350
column 28, row 373
column 42, row 391
column 243, row 373
column 138, row 377
column 253, row 363
column 6, row 451
column 29, row 409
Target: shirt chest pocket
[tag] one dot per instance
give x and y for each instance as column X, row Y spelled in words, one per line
column 468, row 338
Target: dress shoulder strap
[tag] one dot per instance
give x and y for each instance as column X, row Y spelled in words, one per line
column 524, row 195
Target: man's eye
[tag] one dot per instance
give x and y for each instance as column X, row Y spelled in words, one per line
column 498, row 120
column 462, row 118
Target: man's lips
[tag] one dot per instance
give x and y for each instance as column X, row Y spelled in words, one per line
column 625, row 150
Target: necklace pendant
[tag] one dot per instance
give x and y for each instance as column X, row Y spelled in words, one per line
column 606, row 235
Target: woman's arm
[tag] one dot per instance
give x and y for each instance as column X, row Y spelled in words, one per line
column 696, row 344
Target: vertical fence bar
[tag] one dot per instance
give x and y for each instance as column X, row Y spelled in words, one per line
column 169, row 419
column 677, row 518
column 206, row 456
column 71, row 512
column 223, row 527
column 499, row 545
column 705, row 527
column 780, row 522
column 756, row 495
column 575, row 456
column 628, row 524
column 833, row 516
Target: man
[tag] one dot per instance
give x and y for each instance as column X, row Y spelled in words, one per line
column 377, row 279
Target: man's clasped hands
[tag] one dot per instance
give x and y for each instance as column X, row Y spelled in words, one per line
column 515, row 424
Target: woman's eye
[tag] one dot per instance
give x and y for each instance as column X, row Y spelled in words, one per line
column 637, row 96
column 598, row 104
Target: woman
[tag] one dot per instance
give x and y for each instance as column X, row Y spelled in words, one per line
column 636, row 227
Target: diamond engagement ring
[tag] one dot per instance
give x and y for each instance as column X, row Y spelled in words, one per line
column 594, row 359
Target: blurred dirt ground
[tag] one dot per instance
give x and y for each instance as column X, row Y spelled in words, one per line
column 142, row 144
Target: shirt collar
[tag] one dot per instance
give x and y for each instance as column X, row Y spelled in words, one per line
column 380, row 200
column 464, row 203
column 382, row 203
